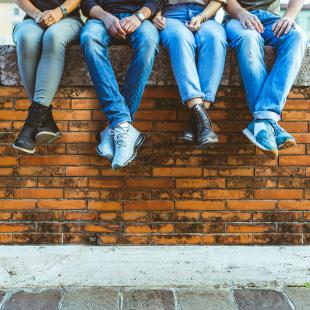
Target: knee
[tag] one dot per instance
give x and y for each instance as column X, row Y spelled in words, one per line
column 210, row 36
column 298, row 37
column 27, row 41
column 148, row 41
column 53, row 40
column 90, row 38
column 250, row 39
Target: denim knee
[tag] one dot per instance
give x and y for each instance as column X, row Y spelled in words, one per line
column 211, row 32
column 90, row 36
column 53, row 40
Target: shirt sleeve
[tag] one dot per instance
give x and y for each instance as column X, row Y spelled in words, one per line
column 153, row 5
column 87, row 5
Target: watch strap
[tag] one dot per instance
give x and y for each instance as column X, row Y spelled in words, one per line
column 139, row 16
column 64, row 11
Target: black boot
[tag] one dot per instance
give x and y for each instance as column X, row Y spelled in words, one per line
column 189, row 135
column 38, row 120
column 47, row 130
column 202, row 126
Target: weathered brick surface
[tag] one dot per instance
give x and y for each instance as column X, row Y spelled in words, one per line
column 171, row 194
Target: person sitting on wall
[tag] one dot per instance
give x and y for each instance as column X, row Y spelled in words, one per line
column 41, row 41
column 188, row 28
column 115, row 21
column 251, row 24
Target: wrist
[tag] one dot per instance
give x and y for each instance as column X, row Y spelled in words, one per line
column 290, row 16
column 63, row 10
column 140, row 16
column 201, row 17
column 241, row 12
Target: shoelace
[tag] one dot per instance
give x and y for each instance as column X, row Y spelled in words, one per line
column 120, row 138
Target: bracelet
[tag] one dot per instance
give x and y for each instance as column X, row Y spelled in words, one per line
column 203, row 17
column 63, row 10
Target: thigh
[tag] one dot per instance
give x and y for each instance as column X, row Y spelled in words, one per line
column 65, row 31
column 176, row 31
column 28, row 32
column 147, row 32
column 234, row 30
column 94, row 32
column 268, row 19
column 211, row 28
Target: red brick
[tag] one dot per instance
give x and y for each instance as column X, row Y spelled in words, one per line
column 148, row 205
column 104, row 205
column 38, row 193
column 251, row 205
column 278, row 194
column 62, row 204
column 199, row 205
column 17, row 204
column 177, row 172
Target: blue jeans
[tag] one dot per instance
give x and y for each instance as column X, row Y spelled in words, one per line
column 196, row 76
column 119, row 106
column 265, row 91
column 41, row 55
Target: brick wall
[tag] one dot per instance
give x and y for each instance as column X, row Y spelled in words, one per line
column 171, row 194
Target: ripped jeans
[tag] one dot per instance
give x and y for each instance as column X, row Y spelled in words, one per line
column 265, row 91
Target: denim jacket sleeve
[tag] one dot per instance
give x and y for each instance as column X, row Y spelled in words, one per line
column 87, row 5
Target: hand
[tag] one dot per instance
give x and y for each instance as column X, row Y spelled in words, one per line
column 195, row 23
column 250, row 21
column 114, row 27
column 51, row 17
column 159, row 22
column 283, row 26
column 130, row 24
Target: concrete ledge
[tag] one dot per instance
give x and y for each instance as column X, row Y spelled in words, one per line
column 76, row 73
column 146, row 266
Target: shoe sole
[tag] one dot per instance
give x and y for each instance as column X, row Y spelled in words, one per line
column 46, row 137
column 207, row 142
column 287, row 144
column 102, row 155
column 183, row 139
column 273, row 154
column 24, row 150
column 138, row 144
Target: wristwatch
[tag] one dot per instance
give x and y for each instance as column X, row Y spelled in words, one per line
column 64, row 11
column 140, row 16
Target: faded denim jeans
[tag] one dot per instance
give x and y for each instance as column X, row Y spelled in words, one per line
column 265, row 91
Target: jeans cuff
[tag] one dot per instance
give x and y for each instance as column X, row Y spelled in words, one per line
column 118, row 122
column 192, row 96
column 267, row 115
column 209, row 98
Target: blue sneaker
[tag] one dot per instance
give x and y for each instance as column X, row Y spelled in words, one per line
column 106, row 144
column 127, row 140
column 261, row 133
column 283, row 138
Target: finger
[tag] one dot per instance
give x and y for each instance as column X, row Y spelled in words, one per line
column 260, row 25
column 274, row 26
column 242, row 22
column 255, row 25
column 248, row 24
column 278, row 27
column 288, row 27
column 119, row 28
column 160, row 23
column 283, row 27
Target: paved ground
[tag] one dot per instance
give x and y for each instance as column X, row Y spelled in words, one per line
column 159, row 299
